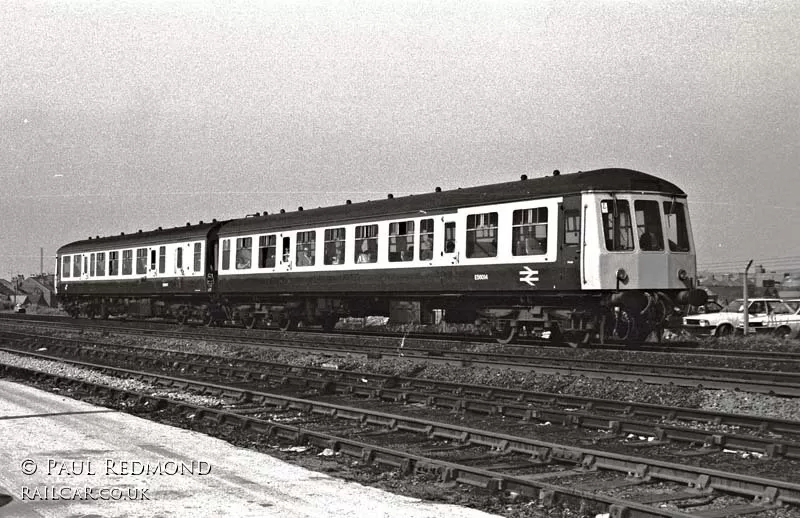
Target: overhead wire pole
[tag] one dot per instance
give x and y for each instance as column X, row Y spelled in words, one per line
column 744, row 293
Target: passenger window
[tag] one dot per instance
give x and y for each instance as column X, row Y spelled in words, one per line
column 127, row 262
column 572, row 224
column 306, row 248
column 101, row 264
column 617, row 227
column 450, row 237
column 113, row 263
column 529, row 231
column 334, row 245
column 426, row 240
column 162, row 259
column 366, row 244
column 141, row 261
column 482, row 235
column 152, row 260
column 244, row 252
column 648, row 225
column 66, row 266
column 198, row 257
column 401, row 241
column 677, row 229
column 266, row 251
column 85, row 263
column 226, row 254
column 76, row 267
column 92, row 265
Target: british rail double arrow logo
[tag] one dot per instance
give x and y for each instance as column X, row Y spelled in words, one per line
column 528, row 276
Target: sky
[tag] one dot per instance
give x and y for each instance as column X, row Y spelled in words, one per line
column 123, row 115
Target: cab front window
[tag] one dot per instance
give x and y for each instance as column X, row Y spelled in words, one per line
column 617, row 227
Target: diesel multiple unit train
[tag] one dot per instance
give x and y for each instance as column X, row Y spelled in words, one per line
column 598, row 255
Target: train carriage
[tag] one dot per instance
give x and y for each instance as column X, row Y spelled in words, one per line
column 602, row 254
column 567, row 254
column 155, row 273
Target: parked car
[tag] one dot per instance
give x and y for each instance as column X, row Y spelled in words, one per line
column 764, row 315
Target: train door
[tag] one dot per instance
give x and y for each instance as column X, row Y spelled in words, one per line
column 152, row 264
column 570, row 242
column 450, row 250
column 285, row 259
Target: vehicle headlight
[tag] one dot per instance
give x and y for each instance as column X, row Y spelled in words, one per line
column 683, row 274
column 704, row 323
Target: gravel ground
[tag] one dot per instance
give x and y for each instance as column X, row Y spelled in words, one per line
column 420, row 485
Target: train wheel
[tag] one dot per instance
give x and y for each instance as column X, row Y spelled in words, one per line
column 287, row 323
column 249, row 322
column 624, row 326
column 506, row 335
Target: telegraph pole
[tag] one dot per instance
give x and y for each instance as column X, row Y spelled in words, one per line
column 744, row 291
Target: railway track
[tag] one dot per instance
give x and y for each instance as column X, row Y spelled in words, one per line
column 771, row 380
column 387, row 340
column 647, row 422
column 549, row 472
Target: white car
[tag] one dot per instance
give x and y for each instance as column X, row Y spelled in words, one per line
column 770, row 315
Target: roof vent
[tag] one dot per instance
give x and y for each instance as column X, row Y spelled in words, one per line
column 300, row 209
column 140, row 231
column 390, row 196
column 283, row 211
column 122, row 233
column 523, row 177
column 90, row 238
column 556, row 172
column 348, row 202
column 97, row 237
column 438, row 189
column 159, row 228
column 201, row 222
column 214, row 220
column 188, row 224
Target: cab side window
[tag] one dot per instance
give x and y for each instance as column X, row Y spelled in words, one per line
column 572, row 224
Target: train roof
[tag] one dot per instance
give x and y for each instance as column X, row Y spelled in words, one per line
column 603, row 180
column 168, row 235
